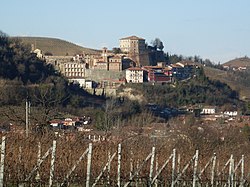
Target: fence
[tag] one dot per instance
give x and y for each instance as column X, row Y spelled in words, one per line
column 96, row 164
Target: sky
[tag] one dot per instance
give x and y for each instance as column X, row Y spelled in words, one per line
column 218, row 30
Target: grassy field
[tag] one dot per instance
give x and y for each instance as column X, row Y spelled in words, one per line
column 55, row 46
column 238, row 62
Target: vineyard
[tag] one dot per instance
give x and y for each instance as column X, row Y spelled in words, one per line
column 139, row 161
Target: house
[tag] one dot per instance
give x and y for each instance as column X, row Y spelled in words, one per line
column 230, row 113
column 115, row 63
column 69, row 122
column 38, row 53
column 208, row 110
column 56, row 123
column 101, row 65
column 78, row 80
column 157, row 74
column 135, row 75
column 177, row 71
column 108, row 61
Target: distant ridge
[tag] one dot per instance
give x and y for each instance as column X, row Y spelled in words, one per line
column 56, row 46
column 224, row 76
column 238, row 62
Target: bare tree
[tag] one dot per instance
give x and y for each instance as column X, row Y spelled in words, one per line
column 47, row 98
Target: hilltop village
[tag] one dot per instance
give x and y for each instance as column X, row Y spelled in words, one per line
column 133, row 62
column 133, row 84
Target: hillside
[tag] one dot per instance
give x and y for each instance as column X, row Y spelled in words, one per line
column 230, row 78
column 55, row 46
column 238, row 62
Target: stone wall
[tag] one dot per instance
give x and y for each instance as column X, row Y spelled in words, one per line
column 108, row 92
column 98, row 75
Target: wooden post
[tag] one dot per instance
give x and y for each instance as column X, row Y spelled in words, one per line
column 27, row 118
column 173, row 167
column 52, row 163
column 89, row 165
column 131, row 164
column 230, row 171
column 156, row 169
column 195, row 168
column 19, row 162
column 217, row 171
column 109, row 166
column 213, row 170
column 242, row 172
column 137, row 174
column 2, row 161
column 119, row 166
column 38, row 160
column 151, row 165
column 178, row 166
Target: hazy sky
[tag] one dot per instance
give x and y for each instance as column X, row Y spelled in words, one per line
column 215, row 29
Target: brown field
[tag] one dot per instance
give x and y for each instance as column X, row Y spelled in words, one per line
column 56, row 46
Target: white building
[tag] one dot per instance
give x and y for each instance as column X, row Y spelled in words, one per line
column 80, row 81
column 73, row 69
column 134, row 75
column 231, row 113
column 208, row 110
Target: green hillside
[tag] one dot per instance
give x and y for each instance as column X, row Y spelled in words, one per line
column 55, row 46
column 236, row 80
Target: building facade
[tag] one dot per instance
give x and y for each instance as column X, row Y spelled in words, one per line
column 73, row 69
column 135, row 47
column 132, row 44
column 135, row 75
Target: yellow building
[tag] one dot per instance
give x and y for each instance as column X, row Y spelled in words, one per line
column 132, row 44
column 135, row 47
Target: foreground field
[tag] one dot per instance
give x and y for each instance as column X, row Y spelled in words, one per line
column 166, row 156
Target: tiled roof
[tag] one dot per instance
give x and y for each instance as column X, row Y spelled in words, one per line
column 168, row 68
column 132, row 38
column 175, row 66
